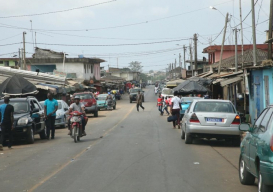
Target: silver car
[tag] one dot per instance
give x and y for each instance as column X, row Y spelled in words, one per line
column 211, row 118
column 61, row 114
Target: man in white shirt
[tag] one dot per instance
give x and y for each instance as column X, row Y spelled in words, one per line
column 175, row 109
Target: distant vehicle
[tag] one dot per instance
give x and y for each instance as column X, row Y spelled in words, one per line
column 185, row 103
column 116, row 93
column 61, row 114
column 256, row 158
column 166, row 92
column 150, row 82
column 89, row 101
column 28, row 118
column 211, row 118
column 102, row 104
column 133, row 94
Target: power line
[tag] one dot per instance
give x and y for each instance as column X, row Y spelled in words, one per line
column 53, row 12
column 10, row 44
column 10, row 37
column 129, row 44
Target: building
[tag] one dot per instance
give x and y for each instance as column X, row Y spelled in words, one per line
column 48, row 61
column 214, row 51
column 125, row 73
column 9, row 62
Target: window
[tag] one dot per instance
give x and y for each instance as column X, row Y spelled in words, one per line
column 1, row 62
column 218, row 107
column 263, row 126
column 59, row 105
column 6, row 63
column 259, row 120
column 92, row 69
column 35, row 105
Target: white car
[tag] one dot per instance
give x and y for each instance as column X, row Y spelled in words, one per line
column 166, row 92
column 211, row 118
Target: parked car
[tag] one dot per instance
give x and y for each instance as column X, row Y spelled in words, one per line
column 61, row 114
column 133, row 94
column 256, row 157
column 101, row 101
column 167, row 92
column 211, row 118
column 116, row 93
column 28, row 118
column 89, row 101
column 185, row 104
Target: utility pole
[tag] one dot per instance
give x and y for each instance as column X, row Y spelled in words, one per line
column 35, row 40
column 117, row 62
column 236, row 50
column 242, row 34
column 270, row 30
column 254, row 33
column 20, row 63
column 24, row 53
column 195, row 52
column 191, row 61
column 184, row 48
column 223, row 42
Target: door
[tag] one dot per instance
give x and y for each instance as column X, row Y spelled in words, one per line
column 38, row 116
column 253, row 140
column 266, row 89
column 257, row 98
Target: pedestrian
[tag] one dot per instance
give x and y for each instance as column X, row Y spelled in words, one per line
column 139, row 101
column 50, row 108
column 159, row 104
column 6, row 123
column 175, row 109
column 165, row 105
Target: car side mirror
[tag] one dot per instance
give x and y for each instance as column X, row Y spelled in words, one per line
column 244, row 127
column 35, row 110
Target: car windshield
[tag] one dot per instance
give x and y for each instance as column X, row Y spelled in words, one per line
column 135, row 90
column 84, row 96
column 19, row 106
column 101, row 98
column 167, row 92
column 42, row 104
column 220, row 107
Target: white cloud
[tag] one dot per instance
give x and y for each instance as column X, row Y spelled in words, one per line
column 159, row 11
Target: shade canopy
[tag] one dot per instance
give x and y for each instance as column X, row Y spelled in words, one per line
column 201, row 81
column 190, row 87
column 17, row 85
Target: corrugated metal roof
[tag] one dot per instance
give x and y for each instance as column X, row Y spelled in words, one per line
column 230, row 80
column 31, row 76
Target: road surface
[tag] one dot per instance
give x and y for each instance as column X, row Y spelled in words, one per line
column 124, row 150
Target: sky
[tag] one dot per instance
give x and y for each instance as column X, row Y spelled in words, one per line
column 152, row 32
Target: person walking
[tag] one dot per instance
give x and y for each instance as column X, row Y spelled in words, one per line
column 50, row 108
column 175, row 109
column 159, row 104
column 165, row 105
column 6, row 123
column 139, row 101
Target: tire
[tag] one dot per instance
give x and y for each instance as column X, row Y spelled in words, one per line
column 63, row 126
column 43, row 134
column 30, row 136
column 75, row 131
column 261, row 186
column 79, row 135
column 188, row 138
column 114, row 107
column 96, row 114
column 246, row 178
column 130, row 101
column 182, row 134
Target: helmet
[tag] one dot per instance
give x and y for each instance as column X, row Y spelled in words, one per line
column 77, row 97
column 109, row 93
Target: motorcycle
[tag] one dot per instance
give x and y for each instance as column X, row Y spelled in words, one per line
column 75, row 125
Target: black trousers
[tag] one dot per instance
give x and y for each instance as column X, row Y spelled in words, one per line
column 6, row 129
column 139, row 104
column 50, row 126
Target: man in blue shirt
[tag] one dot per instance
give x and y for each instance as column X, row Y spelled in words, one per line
column 6, row 113
column 50, row 108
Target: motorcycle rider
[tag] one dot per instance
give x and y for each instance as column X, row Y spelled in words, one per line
column 78, row 106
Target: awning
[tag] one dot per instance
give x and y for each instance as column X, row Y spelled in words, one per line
column 231, row 80
column 174, row 83
column 47, row 88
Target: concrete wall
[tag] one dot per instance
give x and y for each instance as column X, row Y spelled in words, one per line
column 40, row 53
column 77, row 68
column 127, row 76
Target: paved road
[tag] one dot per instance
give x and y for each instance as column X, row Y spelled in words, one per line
column 124, row 150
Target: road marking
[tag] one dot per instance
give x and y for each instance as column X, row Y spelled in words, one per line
column 79, row 154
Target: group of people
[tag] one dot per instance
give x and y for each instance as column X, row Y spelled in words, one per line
column 174, row 104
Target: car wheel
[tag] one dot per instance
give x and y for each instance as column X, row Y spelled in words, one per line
column 30, row 136
column 182, row 134
column 114, row 107
column 261, row 186
column 43, row 134
column 246, row 178
column 188, row 138
column 96, row 114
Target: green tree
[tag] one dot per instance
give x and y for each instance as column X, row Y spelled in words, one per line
column 151, row 71
column 135, row 66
